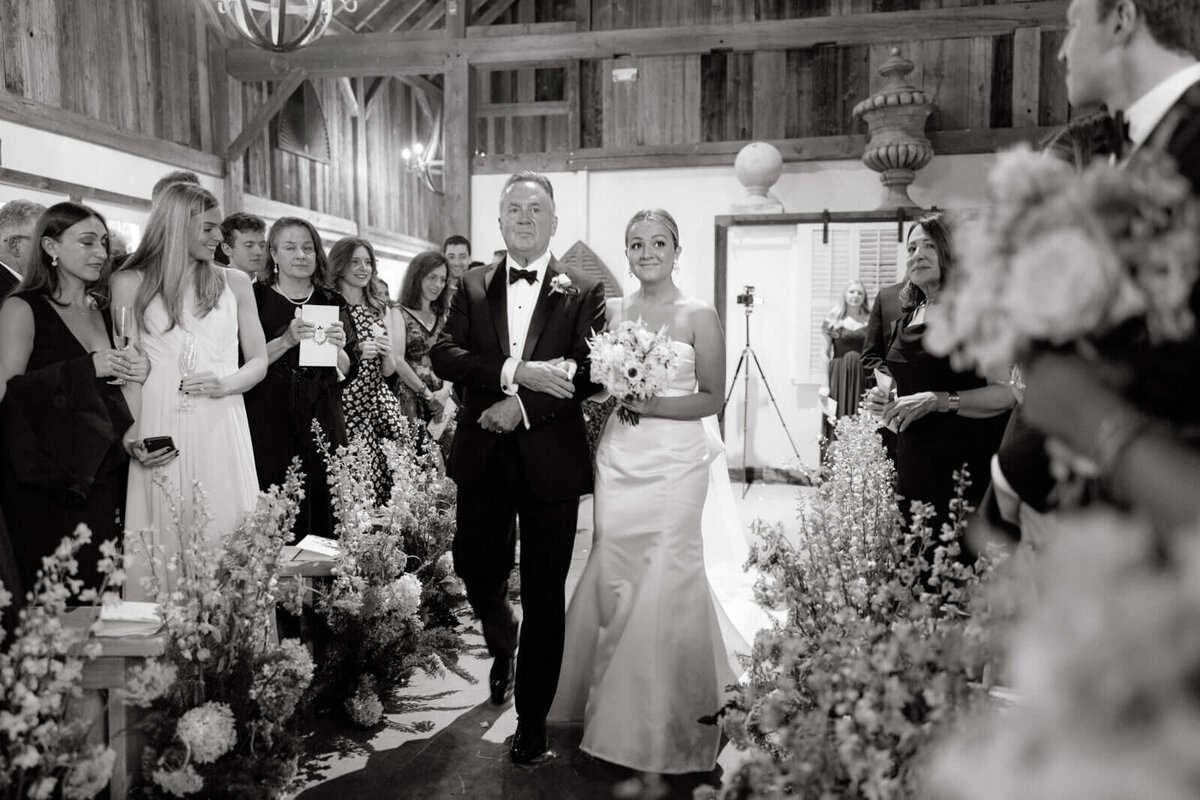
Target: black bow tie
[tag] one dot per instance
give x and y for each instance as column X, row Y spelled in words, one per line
column 515, row 275
column 1124, row 143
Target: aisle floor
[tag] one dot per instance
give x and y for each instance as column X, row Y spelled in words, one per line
column 442, row 738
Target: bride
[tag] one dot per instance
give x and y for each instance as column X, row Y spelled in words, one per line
column 647, row 645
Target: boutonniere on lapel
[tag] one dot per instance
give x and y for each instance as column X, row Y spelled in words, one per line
column 561, row 284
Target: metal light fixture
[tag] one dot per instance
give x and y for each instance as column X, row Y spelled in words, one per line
column 423, row 158
column 282, row 25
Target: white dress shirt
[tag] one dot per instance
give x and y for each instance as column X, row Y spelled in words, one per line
column 522, row 297
column 1147, row 111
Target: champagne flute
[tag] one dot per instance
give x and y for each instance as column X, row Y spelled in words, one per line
column 121, row 317
column 188, row 355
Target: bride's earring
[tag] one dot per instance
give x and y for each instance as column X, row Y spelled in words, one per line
column 54, row 261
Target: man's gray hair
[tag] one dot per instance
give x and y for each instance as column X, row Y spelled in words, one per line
column 19, row 214
column 529, row 176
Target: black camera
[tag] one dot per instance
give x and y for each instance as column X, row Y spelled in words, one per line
column 747, row 298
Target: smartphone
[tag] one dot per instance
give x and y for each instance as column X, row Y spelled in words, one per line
column 155, row 443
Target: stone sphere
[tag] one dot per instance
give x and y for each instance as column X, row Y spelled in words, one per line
column 758, row 166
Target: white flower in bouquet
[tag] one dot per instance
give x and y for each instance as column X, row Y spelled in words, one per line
column 179, row 782
column 406, row 592
column 208, row 731
column 89, row 777
column 148, row 682
column 632, row 363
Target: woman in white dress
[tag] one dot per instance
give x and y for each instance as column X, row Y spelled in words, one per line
column 645, row 655
column 181, row 301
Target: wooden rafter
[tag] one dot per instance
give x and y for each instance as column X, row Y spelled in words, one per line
column 347, row 92
column 371, row 96
column 209, row 11
column 424, row 53
column 258, row 122
column 495, row 11
column 400, row 15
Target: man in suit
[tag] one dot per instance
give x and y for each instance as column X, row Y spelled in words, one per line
column 1138, row 58
column 512, row 341
column 17, row 221
column 885, row 312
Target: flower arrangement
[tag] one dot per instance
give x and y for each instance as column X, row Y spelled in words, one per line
column 392, row 606
column 632, row 364
column 1100, row 262
column 886, row 640
column 1104, row 665
column 43, row 746
column 219, row 704
column 562, row 284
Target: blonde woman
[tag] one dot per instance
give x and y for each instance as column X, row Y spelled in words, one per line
column 191, row 317
column 845, row 331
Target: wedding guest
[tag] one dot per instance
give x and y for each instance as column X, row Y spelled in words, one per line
column 283, row 408
column 945, row 419
column 244, row 243
column 845, row 332
column 196, row 322
column 61, row 459
column 17, row 221
column 424, row 298
column 885, row 312
column 372, row 412
column 178, row 176
column 457, row 250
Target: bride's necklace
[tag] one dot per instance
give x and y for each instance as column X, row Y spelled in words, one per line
column 296, row 301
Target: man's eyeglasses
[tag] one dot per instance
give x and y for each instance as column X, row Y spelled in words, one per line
column 16, row 239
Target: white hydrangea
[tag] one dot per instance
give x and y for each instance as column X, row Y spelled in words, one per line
column 179, row 782
column 207, row 731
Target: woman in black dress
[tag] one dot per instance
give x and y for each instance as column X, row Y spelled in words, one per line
column 945, row 419
column 63, row 461
column 284, row 406
column 845, row 331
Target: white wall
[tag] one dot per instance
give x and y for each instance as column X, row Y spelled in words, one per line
column 594, row 208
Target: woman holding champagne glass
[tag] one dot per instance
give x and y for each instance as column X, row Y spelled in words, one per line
column 62, row 461
column 372, row 411
column 191, row 316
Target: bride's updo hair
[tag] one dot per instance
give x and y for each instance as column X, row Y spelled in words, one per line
column 654, row 215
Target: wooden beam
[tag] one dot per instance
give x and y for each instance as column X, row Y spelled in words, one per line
column 583, row 15
column 372, row 95
column 214, row 21
column 398, row 17
column 816, row 148
column 347, row 92
column 456, row 149
column 259, row 121
column 1026, row 71
column 235, row 168
column 362, row 195
column 456, row 18
column 362, row 24
column 542, row 109
column 493, row 13
column 424, row 53
column 431, row 18
column 431, row 89
column 520, row 29
column 27, row 180
column 33, row 114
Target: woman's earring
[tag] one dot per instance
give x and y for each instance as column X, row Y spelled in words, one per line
column 54, row 261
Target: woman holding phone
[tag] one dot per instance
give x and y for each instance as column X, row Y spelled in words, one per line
column 192, row 317
column 62, row 461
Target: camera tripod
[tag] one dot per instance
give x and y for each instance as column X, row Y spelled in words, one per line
column 747, row 356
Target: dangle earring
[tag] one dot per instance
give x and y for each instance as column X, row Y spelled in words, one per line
column 54, row 261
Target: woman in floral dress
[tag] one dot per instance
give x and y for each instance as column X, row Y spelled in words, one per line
column 372, row 412
column 424, row 300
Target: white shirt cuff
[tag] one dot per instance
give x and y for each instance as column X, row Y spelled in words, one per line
column 524, row 416
column 1007, row 499
column 508, row 375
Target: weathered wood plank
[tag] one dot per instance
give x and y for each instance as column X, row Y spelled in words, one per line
column 393, row 53
column 28, row 180
column 1025, row 76
column 1053, row 107
column 979, row 73
column 266, row 112
column 12, row 47
column 769, row 86
column 456, row 198
column 41, row 53
column 30, row 113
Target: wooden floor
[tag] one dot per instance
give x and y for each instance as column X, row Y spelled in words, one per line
column 443, row 739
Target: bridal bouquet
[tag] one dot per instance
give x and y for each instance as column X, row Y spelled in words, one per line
column 632, row 364
column 1101, row 262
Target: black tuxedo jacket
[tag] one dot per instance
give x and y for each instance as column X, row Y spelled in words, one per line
column 8, row 282
column 471, row 353
column 1178, row 133
column 885, row 311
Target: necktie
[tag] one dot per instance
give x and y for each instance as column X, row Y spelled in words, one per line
column 515, row 275
column 1125, row 144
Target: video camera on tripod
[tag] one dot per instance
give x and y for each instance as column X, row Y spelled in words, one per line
column 746, row 298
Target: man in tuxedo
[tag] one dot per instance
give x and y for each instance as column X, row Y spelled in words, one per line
column 17, row 221
column 885, row 312
column 514, row 336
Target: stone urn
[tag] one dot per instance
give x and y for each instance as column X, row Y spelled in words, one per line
column 895, row 117
column 757, row 166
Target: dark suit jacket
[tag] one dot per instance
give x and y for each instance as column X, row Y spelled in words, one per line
column 1179, row 134
column 8, row 282
column 885, row 311
column 471, row 352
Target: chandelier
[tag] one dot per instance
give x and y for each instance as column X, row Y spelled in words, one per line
column 282, row 25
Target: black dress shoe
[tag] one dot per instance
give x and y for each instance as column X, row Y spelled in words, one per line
column 530, row 745
column 502, row 679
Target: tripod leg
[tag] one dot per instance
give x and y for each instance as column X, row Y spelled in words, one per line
column 733, row 380
column 771, row 395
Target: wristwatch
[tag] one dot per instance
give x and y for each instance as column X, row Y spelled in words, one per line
column 952, row 403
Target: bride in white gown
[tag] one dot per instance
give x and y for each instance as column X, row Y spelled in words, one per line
column 649, row 645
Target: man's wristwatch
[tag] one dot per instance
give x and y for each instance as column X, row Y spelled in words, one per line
column 952, row 403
